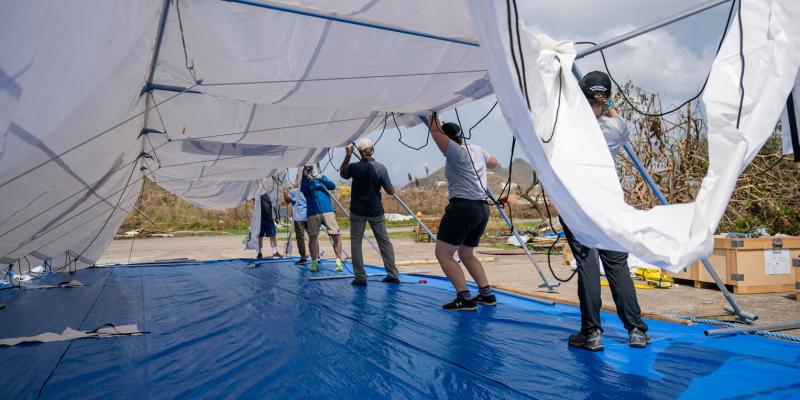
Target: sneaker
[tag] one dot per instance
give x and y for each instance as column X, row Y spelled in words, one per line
column 638, row 338
column 359, row 282
column 301, row 261
column 460, row 304
column 314, row 266
column 389, row 279
column 339, row 266
column 488, row 300
column 259, row 256
column 592, row 342
column 277, row 255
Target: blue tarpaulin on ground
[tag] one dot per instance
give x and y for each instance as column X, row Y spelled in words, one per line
column 224, row 329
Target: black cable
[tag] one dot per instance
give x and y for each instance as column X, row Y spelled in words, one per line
column 553, row 245
column 558, row 107
column 105, row 224
column 513, row 54
column 741, row 57
column 524, row 86
column 693, row 98
column 480, row 120
column 385, row 119
column 400, row 139
column 189, row 65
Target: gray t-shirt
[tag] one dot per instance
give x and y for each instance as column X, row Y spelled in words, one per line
column 616, row 132
column 460, row 174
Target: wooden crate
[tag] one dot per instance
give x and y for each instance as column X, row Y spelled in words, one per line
column 741, row 263
column 796, row 263
column 688, row 273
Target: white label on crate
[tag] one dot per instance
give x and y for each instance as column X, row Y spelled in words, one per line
column 777, row 262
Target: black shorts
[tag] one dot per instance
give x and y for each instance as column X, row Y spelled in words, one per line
column 267, row 228
column 463, row 222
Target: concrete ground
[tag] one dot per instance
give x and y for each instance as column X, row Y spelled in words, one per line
column 512, row 272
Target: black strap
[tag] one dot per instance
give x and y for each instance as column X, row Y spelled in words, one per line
column 793, row 129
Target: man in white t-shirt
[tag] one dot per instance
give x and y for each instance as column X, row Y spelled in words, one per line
column 466, row 215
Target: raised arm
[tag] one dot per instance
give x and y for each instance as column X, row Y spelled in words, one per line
column 491, row 161
column 344, row 171
column 385, row 181
column 442, row 141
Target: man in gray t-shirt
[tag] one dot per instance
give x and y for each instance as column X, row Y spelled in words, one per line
column 596, row 86
column 466, row 214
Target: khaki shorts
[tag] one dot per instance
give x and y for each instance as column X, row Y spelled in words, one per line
column 317, row 220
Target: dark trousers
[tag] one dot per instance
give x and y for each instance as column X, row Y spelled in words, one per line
column 615, row 264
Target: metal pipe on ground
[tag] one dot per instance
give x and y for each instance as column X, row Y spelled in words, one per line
column 754, row 328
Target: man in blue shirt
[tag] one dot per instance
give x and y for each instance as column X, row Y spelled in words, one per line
column 298, row 202
column 319, row 211
column 369, row 176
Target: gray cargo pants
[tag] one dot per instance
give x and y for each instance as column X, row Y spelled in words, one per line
column 357, row 226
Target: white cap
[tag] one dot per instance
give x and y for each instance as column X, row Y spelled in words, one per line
column 364, row 144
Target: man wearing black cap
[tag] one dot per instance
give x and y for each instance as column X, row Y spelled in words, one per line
column 466, row 214
column 596, row 86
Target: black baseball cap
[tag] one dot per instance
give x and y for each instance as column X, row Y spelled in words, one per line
column 452, row 130
column 596, row 82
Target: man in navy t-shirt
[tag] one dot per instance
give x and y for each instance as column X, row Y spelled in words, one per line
column 369, row 176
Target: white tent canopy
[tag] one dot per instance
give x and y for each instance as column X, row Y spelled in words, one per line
column 208, row 97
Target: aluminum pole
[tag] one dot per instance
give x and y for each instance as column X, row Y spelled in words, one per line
column 312, row 13
column 410, row 212
column 550, row 286
column 341, row 207
column 641, row 31
column 754, row 328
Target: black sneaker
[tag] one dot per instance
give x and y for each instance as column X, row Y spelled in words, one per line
column 301, row 261
column 359, row 282
column 638, row 338
column 389, row 279
column 592, row 342
column 277, row 255
column 460, row 304
column 488, row 300
column 259, row 256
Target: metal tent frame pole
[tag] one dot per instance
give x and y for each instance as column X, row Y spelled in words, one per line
column 411, row 212
column 660, row 24
column 341, row 207
column 755, row 328
column 312, row 13
column 733, row 307
column 551, row 287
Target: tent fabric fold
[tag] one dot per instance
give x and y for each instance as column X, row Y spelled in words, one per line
column 578, row 172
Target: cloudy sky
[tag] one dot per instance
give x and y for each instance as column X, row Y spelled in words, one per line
column 672, row 61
